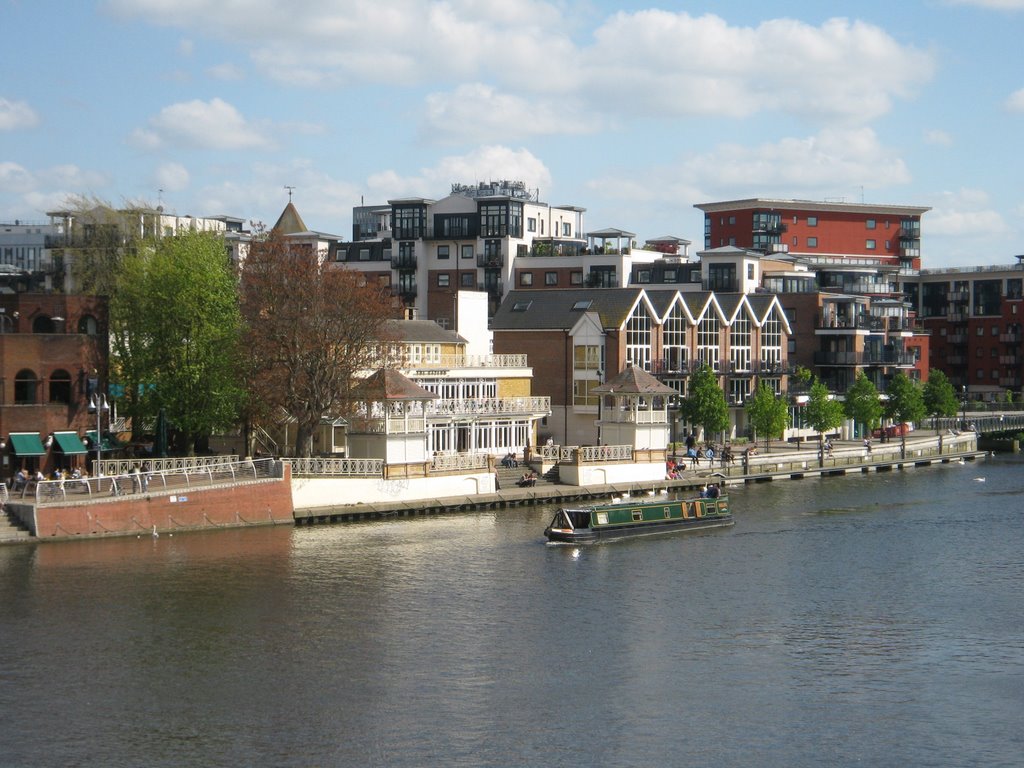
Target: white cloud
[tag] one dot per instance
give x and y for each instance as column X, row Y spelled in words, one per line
column 478, row 112
column 635, row 64
column 818, row 165
column 486, row 163
column 186, row 47
column 938, row 138
column 965, row 213
column 226, row 71
column 197, row 124
column 995, row 5
column 15, row 115
column 1015, row 102
column 173, row 177
column 15, row 178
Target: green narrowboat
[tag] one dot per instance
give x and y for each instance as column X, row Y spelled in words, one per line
column 631, row 516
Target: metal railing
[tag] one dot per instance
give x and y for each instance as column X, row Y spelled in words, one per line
column 336, row 467
column 188, row 477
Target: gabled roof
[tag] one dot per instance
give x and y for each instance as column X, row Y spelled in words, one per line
column 422, row 331
column 553, row 309
column 634, row 381
column 388, row 385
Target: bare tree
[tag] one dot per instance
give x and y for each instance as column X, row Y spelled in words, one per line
column 312, row 329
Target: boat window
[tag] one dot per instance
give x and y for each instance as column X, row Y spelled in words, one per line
column 638, row 514
column 668, row 512
column 602, row 518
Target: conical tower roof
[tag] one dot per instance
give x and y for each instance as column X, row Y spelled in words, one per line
column 289, row 222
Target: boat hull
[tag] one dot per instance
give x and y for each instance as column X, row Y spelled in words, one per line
column 627, row 518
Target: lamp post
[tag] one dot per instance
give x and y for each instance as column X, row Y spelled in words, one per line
column 600, row 400
column 963, row 401
column 98, row 404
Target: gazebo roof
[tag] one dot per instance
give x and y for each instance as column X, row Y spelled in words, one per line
column 388, row 385
column 634, row 381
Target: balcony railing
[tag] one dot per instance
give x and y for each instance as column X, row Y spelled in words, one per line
column 490, row 260
column 403, row 261
column 469, row 361
column 489, row 406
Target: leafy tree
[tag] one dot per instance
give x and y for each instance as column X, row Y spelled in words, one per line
column 768, row 413
column 939, row 397
column 312, row 330
column 863, row 404
column 186, row 341
column 905, row 404
column 705, row 403
column 823, row 414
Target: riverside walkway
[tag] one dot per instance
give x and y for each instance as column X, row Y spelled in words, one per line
column 783, row 461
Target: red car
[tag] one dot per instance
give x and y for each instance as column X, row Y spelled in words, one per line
column 894, row 430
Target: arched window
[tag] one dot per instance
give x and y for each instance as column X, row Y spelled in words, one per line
column 88, row 325
column 60, row 387
column 25, row 385
column 43, row 324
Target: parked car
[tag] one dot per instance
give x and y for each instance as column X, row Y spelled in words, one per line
column 894, row 430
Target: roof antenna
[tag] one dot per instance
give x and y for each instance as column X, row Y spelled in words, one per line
column 289, row 192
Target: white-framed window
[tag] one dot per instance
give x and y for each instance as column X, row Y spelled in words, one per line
column 673, row 340
column 638, row 338
column 708, row 347
column 739, row 343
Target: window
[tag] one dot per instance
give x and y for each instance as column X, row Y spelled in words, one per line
column 526, row 278
column 638, row 338
column 566, row 229
column 673, row 345
column 60, row 387
column 550, row 278
column 531, row 224
column 981, row 330
column 467, row 251
column 521, row 306
column 442, row 252
column 467, row 279
column 812, row 221
column 707, row 341
column 582, row 306
column 87, row 325
column 750, row 271
column 643, row 276
column 870, row 223
column 25, row 384
column 364, row 254
column 576, row 278
column 443, row 280
column 582, row 393
column 812, row 242
column 586, row 357
column 670, row 276
column 739, row 344
column 869, row 245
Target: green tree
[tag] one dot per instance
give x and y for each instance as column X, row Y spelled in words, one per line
column 940, row 398
column 768, row 413
column 177, row 335
column 704, row 403
column 823, row 413
column 905, row 404
column 863, row 404
column 313, row 330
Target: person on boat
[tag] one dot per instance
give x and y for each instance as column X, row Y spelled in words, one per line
column 714, row 492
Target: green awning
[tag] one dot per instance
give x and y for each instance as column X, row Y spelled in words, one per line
column 108, row 444
column 69, row 443
column 27, row 444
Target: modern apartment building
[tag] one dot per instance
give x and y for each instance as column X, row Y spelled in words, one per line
column 839, row 270
column 577, row 339
column 491, row 237
column 975, row 316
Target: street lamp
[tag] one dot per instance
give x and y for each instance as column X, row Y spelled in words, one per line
column 98, row 404
column 963, row 401
column 600, row 400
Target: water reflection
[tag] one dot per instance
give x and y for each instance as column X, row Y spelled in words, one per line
column 867, row 620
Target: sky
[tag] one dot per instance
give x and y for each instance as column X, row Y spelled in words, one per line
column 634, row 111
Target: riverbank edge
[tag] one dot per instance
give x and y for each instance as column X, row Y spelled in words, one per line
column 789, row 467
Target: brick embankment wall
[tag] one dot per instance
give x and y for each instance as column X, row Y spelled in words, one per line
column 261, row 502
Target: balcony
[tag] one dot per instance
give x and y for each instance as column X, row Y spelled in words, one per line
column 1009, row 338
column 1008, row 359
column 403, row 261
column 490, row 261
column 663, row 367
column 406, row 293
column 956, row 338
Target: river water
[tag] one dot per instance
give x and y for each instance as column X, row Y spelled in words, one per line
column 870, row 620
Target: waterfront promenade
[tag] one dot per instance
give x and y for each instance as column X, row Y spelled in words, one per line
column 783, row 461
